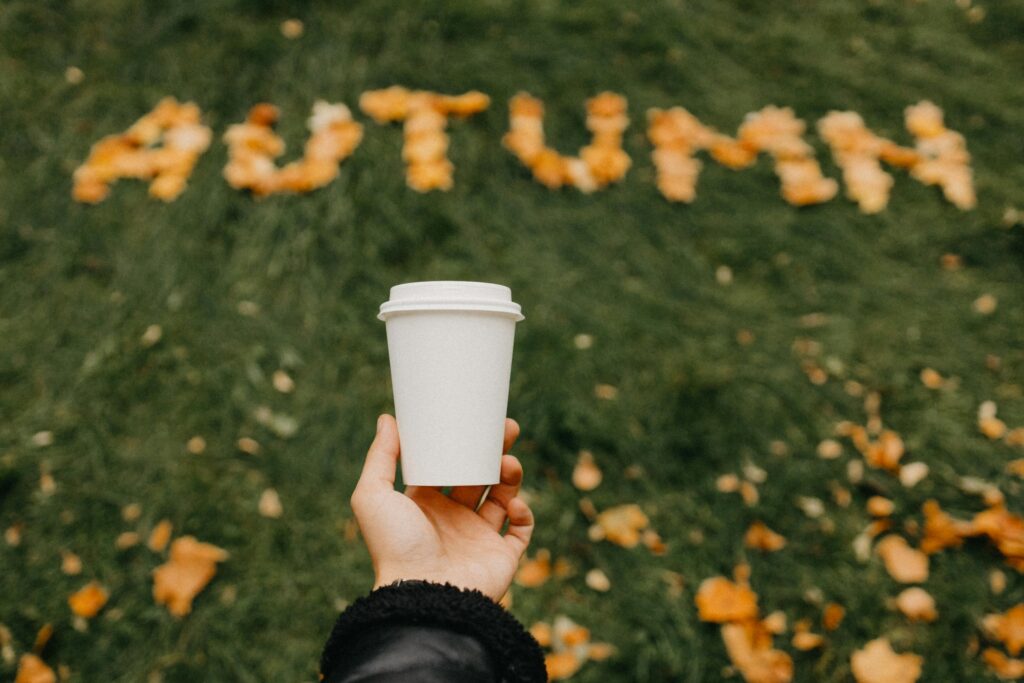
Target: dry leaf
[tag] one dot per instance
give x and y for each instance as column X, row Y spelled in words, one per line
column 131, row 512
column 586, row 476
column 832, row 616
column 931, row 379
column 917, row 605
column 749, row 494
column 720, row 600
column 535, row 572
column 997, row 581
column 126, row 539
column 904, row 564
column 541, row 632
column 283, row 382
column 597, row 580
column 32, row 669
column 940, row 530
column 1002, row 666
column 760, row 537
column 1004, row 529
column 606, row 392
column 248, row 445
column 561, row 665
column 775, row 623
column 89, row 600
column 622, row 524
column 750, row 651
column 985, row 304
column 191, row 566
column 652, row 541
column 70, row 563
column 829, row 449
column 728, row 483
column 1007, row 628
column 43, row 636
column 160, row 536
column 877, row 663
column 270, row 504
column 292, row 28
column 806, row 640
column 878, row 506
column 912, row 473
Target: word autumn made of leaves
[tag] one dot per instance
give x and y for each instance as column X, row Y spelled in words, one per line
column 165, row 144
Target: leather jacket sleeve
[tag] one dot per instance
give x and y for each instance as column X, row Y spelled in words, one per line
column 419, row 632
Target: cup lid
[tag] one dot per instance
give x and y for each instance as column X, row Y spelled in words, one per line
column 451, row 295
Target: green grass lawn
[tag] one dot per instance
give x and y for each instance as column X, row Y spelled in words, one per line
column 79, row 285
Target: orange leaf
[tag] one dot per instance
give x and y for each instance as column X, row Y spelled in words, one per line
column 940, row 530
column 807, row 641
column 160, row 536
column 191, row 566
column 833, row 616
column 1007, row 628
column 535, row 572
column 879, row 506
column 561, row 665
column 904, row 564
column 877, row 663
column 622, row 524
column 31, row 669
column 541, row 632
column 720, row 600
column 760, row 537
column 586, row 476
column 753, row 655
column 917, row 605
column 1002, row 666
column 89, row 600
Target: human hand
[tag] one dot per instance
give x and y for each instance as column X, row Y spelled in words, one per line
column 427, row 535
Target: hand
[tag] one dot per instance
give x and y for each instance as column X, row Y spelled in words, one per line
column 424, row 534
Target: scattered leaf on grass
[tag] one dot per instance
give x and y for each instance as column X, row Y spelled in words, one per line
column 32, row 669
column 88, row 601
column 985, row 304
column 196, row 445
column 997, row 581
column 126, row 539
column 720, row 600
column 1004, row 529
column 1007, row 628
column 541, row 632
column 12, row 535
column 832, row 616
column 912, row 474
column 622, row 524
column 606, row 392
column 270, row 504
column 249, row 446
column 586, row 476
column 805, row 640
column 760, row 537
column 42, row 439
column 940, row 530
column 931, row 379
column 879, row 506
column 904, row 564
column 727, row 483
column 1002, row 666
column 561, row 665
column 43, row 636
column 829, row 449
column 151, row 336
column 191, row 566
column 917, row 605
column 535, row 572
column 749, row 494
column 160, row 536
column 131, row 512
column 283, row 382
column 750, row 649
column 876, row 662
column 70, row 563
column 292, row 28
column 597, row 580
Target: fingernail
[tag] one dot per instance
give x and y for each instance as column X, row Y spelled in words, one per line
column 380, row 423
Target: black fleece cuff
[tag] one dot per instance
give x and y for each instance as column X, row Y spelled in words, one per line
column 517, row 656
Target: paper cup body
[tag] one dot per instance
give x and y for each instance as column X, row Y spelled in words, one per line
column 450, row 346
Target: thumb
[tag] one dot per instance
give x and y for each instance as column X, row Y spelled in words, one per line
column 382, row 458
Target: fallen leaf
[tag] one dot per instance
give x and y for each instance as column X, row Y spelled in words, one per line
column 270, row 504
column 89, row 600
column 749, row 494
column 191, row 566
column 931, row 379
column 912, row 474
column 992, row 427
column 829, row 449
column 997, row 581
column 622, row 524
column 775, row 623
column 917, row 605
column 586, row 476
column 248, row 445
column 126, row 539
column 727, row 483
column 151, row 336
column 535, row 572
column 292, row 28
column 541, row 632
column 985, row 304
column 940, row 530
column 43, row 636
column 760, row 537
column 131, row 512
column 283, row 382
column 160, row 536
column 32, row 669
column 652, row 541
column 805, row 641
column 561, row 665
column 876, row 662
column 879, row 506
column 753, row 656
column 606, row 392
column 70, row 563
column 597, row 580
column 1002, row 666
column 720, row 600
column 832, row 616
column 1007, row 628
column 904, row 564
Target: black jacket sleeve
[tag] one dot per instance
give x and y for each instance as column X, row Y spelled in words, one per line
column 419, row 632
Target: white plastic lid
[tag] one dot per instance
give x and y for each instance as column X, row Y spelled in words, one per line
column 451, row 295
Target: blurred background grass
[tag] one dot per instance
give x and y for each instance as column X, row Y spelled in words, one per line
column 79, row 285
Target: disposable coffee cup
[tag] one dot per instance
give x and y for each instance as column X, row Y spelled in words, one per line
column 450, row 346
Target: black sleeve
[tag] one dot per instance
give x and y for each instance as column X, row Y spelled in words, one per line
column 420, row 632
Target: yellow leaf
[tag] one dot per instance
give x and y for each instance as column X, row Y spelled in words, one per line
column 877, row 663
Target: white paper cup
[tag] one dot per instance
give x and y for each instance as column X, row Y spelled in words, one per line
column 450, row 345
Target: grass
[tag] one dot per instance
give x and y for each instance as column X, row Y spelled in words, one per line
column 79, row 285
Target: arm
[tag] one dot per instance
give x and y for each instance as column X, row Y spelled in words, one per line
column 440, row 566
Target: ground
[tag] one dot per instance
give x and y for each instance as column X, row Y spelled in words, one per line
column 243, row 287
